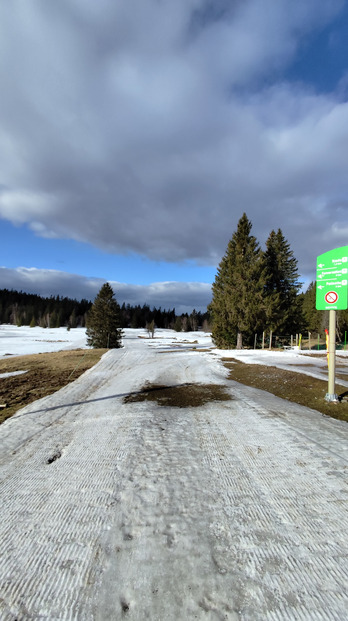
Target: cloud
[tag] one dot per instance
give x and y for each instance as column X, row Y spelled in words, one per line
column 184, row 297
column 149, row 127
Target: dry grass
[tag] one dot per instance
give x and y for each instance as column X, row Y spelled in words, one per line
column 45, row 373
column 182, row 396
column 296, row 387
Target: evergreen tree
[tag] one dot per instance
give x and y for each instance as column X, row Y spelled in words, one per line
column 237, row 305
column 281, row 285
column 103, row 321
column 342, row 325
column 312, row 318
column 194, row 320
column 72, row 319
column 178, row 324
column 185, row 321
column 54, row 320
column 317, row 320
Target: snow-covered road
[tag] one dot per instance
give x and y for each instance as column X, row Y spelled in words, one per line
column 113, row 510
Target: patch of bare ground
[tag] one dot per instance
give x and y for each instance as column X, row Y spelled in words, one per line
column 45, row 374
column 182, row 396
column 290, row 385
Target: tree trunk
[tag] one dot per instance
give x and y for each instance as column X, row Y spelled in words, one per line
column 239, row 340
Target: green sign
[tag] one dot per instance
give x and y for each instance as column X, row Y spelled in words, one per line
column 332, row 280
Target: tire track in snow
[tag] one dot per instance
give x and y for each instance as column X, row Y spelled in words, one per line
column 285, row 534
column 160, row 563
column 329, row 434
column 56, row 512
column 59, row 512
column 40, row 414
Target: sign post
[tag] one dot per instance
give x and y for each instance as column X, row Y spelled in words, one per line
column 331, row 394
column 332, row 295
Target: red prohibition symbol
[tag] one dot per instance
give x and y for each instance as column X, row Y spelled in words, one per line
column 331, row 297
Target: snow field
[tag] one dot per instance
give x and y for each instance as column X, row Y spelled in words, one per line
column 19, row 341
column 235, row 510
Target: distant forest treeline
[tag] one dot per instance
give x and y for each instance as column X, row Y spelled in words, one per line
column 29, row 309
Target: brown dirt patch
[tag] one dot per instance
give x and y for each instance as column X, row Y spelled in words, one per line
column 46, row 373
column 182, row 396
column 290, row 385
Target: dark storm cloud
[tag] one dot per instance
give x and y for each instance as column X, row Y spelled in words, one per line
column 147, row 126
column 184, row 297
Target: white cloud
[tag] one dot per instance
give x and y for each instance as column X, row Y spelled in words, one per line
column 23, row 206
column 147, row 127
column 184, row 297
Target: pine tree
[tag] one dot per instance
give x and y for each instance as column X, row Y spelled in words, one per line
column 178, row 324
column 237, row 305
column 342, row 325
column 194, row 320
column 72, row 319
column 281, row 285
column 312, row 318
column 103, row 321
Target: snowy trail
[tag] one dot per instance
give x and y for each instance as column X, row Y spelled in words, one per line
column 234, row 510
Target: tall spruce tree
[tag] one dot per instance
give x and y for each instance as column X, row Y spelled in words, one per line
column 237, row 305
column 283, row 309
column 312, row 318
column 103, row 321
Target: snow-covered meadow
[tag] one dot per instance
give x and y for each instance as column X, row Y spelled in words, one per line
column 23, row 340
column 20, row 341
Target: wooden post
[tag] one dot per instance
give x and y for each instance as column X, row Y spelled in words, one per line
column 270, row 340
column 331, row 395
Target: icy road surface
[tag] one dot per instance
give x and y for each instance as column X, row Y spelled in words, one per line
column 234, row 510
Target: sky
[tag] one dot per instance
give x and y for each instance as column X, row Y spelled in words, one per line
column 134, row 134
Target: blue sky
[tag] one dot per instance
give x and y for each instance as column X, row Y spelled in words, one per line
column 322, row 59
column 81, row 258
column 132, row 139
